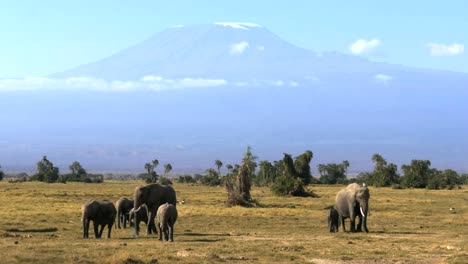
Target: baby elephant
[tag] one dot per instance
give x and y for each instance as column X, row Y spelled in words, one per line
column 167, row 216
column 101, row 213
column 124, row 205
column 333, row 219
column 141, row 216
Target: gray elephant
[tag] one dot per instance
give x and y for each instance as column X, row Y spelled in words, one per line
column 101, row 213
column 142, row 216
column 351, row 202
column 333, row 218
column 153, row 195
column 167, row 216
column 124, row 205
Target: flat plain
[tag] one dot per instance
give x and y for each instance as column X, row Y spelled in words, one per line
column 41, row 223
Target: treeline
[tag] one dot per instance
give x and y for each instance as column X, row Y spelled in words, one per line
column 47, row 172
column 290, row 175
column 287, row 176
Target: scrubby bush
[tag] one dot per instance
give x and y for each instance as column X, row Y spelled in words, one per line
column 1, row 173
column 211, row 178
column 186, row 179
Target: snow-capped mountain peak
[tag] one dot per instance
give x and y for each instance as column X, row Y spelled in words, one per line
column 238, row 25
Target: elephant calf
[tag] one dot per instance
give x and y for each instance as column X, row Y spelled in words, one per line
column 333, row 219
column 101, row 213
column 141, row 216
column 124, row 205
column 167, row 216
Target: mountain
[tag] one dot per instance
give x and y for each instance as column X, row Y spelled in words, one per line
column 192, row 94
column 233, row 51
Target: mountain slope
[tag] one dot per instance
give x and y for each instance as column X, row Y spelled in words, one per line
column 256, row 89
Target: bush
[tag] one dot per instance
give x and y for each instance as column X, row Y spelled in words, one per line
column 164, row 181
column 186, row 179
column 285, row 185
column 211, row 180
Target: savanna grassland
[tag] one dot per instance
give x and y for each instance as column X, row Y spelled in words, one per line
column 40, row 223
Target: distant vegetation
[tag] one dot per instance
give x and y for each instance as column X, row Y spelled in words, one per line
column 1, row 173
column 287, row 176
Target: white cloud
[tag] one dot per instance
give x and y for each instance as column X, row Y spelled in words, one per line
column 238, row 48
column 383, row 78
column 446, row 50
column 149, row 82
column 151, row 78
column 238, row 25
column 146, row 83
column 261, row 48
column 362, row 46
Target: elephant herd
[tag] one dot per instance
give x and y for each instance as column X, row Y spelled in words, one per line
column 350, row 202
column 159, row 201
column 150, row 201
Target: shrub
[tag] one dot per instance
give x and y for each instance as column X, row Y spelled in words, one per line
column 186, row 179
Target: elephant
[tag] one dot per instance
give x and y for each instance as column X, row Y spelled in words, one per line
column 153, row 195
column 142, row 216
column 351, row 202
column 123, row 208
column 101, row 213
column 167, row 216
column 333, row 219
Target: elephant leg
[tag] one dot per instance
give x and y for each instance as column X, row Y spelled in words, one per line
column 96, row 231
column 101, row 230
column 343, row 223
column 109, row 228
column 118, row 219
column 171, row 233
column 154, row 229
column 359, row 225
column 85, row 228
column 160, row 232
column 137, row 223
column 151, row 216
column 125, row 221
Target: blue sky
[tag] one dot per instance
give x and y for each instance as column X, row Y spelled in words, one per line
column 43, row 37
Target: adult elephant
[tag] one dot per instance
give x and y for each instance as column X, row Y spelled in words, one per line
column 351, row 202
column 101, row 213
column 152, row 195
column 124, row 205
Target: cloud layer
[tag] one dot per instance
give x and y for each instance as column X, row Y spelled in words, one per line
column 146, row 83
column 149, row 83
column 362, row 46
column 437, row 49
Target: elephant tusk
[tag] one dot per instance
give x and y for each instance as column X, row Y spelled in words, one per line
column 138, row 209
column 362, row 212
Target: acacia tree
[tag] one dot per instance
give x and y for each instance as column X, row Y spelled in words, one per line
column 239, row 188
column 46, row 171
column 218, row 164
column 151, row 176
column 167, row 168
column 266, row 174
column 302, row 166
column 291, row 178
column 416, row 174
column 333, row 173
column 384, row 174
column 77, row 169
column 229, row 168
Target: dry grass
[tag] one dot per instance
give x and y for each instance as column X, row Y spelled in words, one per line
column 40, row 223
